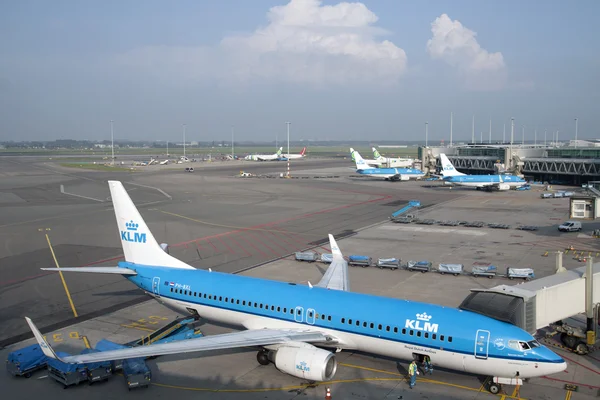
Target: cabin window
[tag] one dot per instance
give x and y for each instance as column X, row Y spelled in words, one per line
column 372, row 325
column 285, row 310
column 278, row 309
column 395, row 329
column 442, row 338
column 387, row 328
column 310, row 314
column 418, row 333
column 357, row 323
column 350, row 321
column 171, row 290
column 364, row 324
column 411, row 332
column 272, row 308
column 185, row 292
column 243, row 302
column 450, row 339
column 261, row 305
column 195, row 294
column 323, row 316
column 238, row 301
column 379, row 326
column 404, row 331
column 266, row 306
column 299, row 311
column 426, row 334
column 210, row 296
column 434, row 336
column 255, row 305
column 329, row 318
column 220, row 298
column 291, row 311
column 343, row 320
column 226, row 300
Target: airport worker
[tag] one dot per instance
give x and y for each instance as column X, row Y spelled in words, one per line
column 427, row 365
column 412, row 373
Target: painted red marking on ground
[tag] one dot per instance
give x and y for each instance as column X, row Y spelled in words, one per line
column 240, row 246
column 254, row 247
column 274, row 242
column 581, row 365
column 213, row 246
column 571, row 382
column 226, row 246
column 280, row 235
column 264, row 244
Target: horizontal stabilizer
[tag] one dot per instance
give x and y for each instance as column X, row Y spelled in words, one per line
column 96, row 270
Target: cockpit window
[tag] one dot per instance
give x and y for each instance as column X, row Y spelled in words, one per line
column 524, row 346
column 533, row 344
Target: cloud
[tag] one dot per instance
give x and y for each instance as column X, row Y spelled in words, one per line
column 457, row 46
column 304, row 42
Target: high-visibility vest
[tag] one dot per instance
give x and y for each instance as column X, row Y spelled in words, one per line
column 412, row 369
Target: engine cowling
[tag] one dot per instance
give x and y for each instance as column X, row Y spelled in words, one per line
column 503, row 186
column 306, row 362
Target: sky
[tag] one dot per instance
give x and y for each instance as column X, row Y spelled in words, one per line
column 372, row 70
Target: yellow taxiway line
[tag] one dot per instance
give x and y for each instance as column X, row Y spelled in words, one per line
column 61, row 277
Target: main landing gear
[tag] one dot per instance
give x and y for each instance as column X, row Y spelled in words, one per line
column 495, row 388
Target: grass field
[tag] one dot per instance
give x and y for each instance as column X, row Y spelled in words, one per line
column 317, row 151
column 96, row 167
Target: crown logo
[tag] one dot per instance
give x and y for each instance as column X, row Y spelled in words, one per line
column 423, row 317
column 131, row 226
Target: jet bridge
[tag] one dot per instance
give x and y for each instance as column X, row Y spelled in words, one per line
column 537, row 304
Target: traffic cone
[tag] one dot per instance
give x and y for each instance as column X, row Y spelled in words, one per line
column 328, row 394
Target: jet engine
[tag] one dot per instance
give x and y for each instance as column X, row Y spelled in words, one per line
column 503, row 186
column 306, row 362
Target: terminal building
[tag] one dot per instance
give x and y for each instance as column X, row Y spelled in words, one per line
column 574, row 164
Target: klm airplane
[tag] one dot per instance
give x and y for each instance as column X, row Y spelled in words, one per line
column 389, row 174
column 299, row 328
column 500, row 182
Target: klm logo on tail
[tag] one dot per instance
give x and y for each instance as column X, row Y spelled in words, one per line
column 422, row 323
column 131, row 234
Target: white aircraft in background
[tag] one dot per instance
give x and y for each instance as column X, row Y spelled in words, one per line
column 295, row 156
column 264, row 157
column 164, row 162
column 392, row 162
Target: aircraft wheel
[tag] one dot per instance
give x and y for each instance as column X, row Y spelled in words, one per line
column 262, row 357
column 494, row 388
column 581, row 348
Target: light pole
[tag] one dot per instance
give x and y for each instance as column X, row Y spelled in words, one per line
column 512, row 136
column 473, row 130
column 288, row 148
column 535, row 137
column 545, row 133
column 112, row 143
column 426, row 133
column 490, row 138
column 450, row 128
column 523, row 131
column 575, row 132
column 184, row 141
column 232, row 143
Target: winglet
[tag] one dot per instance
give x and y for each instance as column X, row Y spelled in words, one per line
column 335, row 250
column 46, row 349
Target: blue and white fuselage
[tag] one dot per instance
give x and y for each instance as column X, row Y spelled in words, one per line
column 501, row 182
column 399, row 174
column 395, row 328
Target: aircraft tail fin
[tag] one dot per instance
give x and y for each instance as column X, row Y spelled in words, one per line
column 358, row 160
column 303, row 151
column 46, row 349
column 376, row 154
column 279, row 151
column 447, row 167
column 139, row 245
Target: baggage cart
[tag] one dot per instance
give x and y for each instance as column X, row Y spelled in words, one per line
column 136, row 373
column 423, row 266
column 65, row 373
column 25, row 361
column 107, row 345
column 391, row 263
column 520, row 273
column 327, row 258
column 454, row 269
column 97, row 371
column 488, row 270
column 361, row 261
column 310, row 256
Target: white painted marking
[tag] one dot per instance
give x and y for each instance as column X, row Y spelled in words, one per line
column 62, row 190
column 152, row 187
column 409, row 228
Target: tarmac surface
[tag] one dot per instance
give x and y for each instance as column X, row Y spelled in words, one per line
column 213, row 219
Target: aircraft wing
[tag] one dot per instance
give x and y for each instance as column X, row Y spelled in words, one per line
column 336, row 276
column 249, row 338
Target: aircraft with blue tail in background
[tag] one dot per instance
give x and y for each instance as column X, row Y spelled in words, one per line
column 388, row 174
column 299, row 328
column 500, row 182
